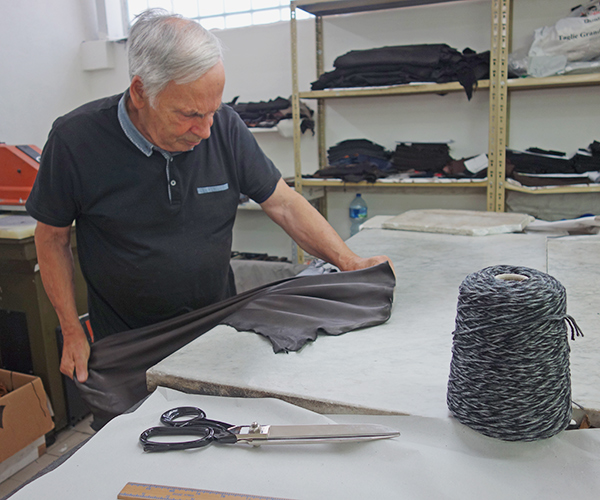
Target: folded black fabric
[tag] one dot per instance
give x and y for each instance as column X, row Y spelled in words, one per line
column 355, row 147
column 587, row 160
column 267, row 114
column 401, row 64
column 289, row 312
column 354, row 172
column 539, row 161
column 416, row 55
column 584, row 162
column 421, row 156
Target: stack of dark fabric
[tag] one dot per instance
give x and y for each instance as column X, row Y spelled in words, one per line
column 401, row 64
column 587, row 160
column 356, row 160
column 539, row 161
column 539, row 167
column 268, row 114
column 425, row 159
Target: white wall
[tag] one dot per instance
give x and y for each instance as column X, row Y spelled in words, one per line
column 42, row 78
column 41, row 72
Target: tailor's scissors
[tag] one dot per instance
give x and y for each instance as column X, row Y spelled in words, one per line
column 191, row 421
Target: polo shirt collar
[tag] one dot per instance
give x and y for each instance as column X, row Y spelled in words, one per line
column 134, row 135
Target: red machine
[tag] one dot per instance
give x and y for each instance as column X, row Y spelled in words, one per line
column 18, row 169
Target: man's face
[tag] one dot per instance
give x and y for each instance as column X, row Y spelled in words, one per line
column 182, row 114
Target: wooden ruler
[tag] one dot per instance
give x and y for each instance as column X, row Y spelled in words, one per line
column 156, row 492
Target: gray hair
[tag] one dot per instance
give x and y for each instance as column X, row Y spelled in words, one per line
column 167, row 47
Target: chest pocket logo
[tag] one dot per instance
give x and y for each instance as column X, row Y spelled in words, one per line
column 212, row 189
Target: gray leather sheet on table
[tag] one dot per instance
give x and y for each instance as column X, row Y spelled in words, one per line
column 289, row 313
column 402, row 365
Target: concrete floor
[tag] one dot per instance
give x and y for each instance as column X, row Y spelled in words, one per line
column 66, row 440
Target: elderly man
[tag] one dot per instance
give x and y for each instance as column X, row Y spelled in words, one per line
column 152, row 178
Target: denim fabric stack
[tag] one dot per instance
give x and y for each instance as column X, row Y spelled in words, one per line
column 356, row 160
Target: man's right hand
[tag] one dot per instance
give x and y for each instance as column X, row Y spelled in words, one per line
column 75, row 355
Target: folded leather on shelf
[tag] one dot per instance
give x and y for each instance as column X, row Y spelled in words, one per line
column 288, row 312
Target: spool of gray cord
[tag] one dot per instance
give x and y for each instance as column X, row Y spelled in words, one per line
column 509, row 374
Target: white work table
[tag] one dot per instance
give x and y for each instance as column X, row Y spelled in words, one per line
column 402, row 366
column 398, row 367
column 431, row 459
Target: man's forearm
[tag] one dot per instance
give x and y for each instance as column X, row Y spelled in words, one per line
column 309, row 229
column 55, row 258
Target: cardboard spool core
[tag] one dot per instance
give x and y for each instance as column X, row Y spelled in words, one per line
column 511, row 277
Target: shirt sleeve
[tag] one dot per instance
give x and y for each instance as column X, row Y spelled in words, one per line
column 257, row 173
column 52, row 197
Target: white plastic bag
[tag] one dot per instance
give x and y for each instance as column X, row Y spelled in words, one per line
column 574, row 39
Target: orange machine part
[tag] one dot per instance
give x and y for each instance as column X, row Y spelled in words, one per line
column 18, row 170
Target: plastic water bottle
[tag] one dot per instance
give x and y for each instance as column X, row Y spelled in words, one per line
column 358, row 213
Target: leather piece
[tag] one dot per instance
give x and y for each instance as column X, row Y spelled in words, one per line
column 289, row 312
column 290, row 316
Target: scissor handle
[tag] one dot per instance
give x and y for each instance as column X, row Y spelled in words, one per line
column 169, row 417
column 207, row 436
column 198, row 425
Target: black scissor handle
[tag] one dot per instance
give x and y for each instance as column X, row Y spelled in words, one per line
column 170, row 416
column 207, row 436
column 198, row 425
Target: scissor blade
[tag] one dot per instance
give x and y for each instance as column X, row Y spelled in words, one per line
column 273, row 434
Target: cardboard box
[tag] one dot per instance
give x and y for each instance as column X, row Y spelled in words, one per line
column 25, row 418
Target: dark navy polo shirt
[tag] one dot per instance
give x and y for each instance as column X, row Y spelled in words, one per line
column 154, row 229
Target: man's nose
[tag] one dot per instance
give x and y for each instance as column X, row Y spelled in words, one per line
column 202, row 127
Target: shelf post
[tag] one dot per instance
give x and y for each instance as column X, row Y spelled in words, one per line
column 298, row 253
column 498, row 106
column 295, row 100
column 320, row 54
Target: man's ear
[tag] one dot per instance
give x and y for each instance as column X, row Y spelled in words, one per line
column 137, row 93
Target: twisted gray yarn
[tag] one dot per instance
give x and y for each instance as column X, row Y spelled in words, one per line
column 509, row 375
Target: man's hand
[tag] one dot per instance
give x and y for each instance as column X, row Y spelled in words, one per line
column 312, row 232
column 356, row 263
column 75, row 355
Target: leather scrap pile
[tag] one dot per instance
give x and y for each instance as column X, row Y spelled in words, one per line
column 268, row 114
column 401, row 64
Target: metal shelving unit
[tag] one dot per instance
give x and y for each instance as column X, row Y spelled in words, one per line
column 499, row 87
